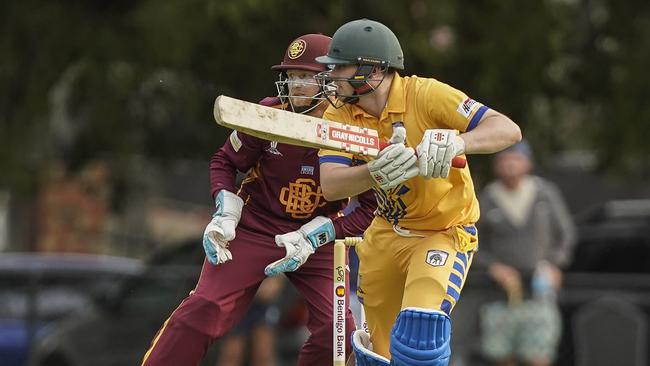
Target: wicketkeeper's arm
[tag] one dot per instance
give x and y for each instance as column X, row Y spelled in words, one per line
column 357, row 216
column 239, row 153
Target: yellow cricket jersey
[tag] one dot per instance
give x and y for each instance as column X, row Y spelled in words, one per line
column 422, row 104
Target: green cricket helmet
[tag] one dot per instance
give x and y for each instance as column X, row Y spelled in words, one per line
column 362, row 42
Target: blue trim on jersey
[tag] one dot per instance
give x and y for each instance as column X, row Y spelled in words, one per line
column 453, row 293
column 470, row 229
column 459, row 268
column 335, row 159
column 463, row 258
column 456, row 280
column 477, row 117
column 446, row 306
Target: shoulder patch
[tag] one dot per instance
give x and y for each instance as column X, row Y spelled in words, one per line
column 235, row 141
column 467, row 106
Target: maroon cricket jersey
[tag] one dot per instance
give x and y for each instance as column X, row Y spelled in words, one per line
column 282, row 189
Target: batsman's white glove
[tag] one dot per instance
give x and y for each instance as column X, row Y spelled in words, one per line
column 396, row 163
column 300, row 244
column 221, row 229
column 435, row 152
column 363, row 352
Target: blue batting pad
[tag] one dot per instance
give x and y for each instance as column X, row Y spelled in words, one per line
column 421, row 337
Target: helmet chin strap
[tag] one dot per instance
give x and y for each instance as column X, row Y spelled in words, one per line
column 358, row 92
column 359, row 83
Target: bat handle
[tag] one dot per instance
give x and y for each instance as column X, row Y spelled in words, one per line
column 456, row 162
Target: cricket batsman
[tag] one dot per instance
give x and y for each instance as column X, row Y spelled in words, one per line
column 417, row 252
column 280, row 195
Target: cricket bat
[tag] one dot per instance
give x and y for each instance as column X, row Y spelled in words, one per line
column 299, row 129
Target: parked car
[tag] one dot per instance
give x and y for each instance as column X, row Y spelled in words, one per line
column 614, row 237
column 37, row 290
column 117, row 329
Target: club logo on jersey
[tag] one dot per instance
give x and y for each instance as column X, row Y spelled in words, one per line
column 302, row 198
column 467, row 106
column 273, row 148
column 307, row 169
column 296, row 49
column 437, row 258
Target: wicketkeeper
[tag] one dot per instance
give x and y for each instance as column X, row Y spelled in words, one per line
column 281, row 194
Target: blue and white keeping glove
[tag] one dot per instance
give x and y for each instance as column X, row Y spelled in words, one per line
column 436, row 151
column 221, row 229
column 300, row 244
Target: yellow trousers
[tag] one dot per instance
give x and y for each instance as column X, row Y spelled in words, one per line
column 426, row 270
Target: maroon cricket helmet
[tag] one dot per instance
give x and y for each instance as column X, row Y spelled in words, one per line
column 302, row 52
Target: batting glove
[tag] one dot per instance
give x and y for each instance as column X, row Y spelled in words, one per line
column 435, row 152
column 395, row 164
column 363, row 352
column 221, row 229
column 300, row 244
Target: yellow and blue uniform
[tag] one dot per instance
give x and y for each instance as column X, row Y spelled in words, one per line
column 418, row 250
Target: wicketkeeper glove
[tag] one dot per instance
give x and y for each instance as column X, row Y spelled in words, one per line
column 300, row 244
column 221, row 229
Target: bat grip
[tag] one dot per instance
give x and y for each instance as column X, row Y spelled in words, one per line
column 456, row 162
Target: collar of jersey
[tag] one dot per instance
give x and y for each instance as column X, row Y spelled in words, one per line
column 396, row 99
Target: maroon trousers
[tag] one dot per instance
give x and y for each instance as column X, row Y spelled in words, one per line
column 224, row 293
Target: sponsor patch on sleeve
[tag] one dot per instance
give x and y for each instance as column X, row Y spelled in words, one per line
column 235, row 141
column 467, row 106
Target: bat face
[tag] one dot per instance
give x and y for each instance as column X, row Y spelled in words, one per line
column 295, row 129
column 299, row 129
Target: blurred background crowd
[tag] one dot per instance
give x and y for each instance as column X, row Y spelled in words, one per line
column 106, row 131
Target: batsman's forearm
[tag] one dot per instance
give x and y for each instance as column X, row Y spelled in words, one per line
column 339, row 181
column 494, row 133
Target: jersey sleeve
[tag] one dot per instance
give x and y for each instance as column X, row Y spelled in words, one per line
column 453, row 108
column 331, row 156
column 240, row 153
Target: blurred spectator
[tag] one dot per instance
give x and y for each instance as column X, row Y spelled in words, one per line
column 96, row 189
column 71, row 209
column 526, row 236
column 252, row 341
